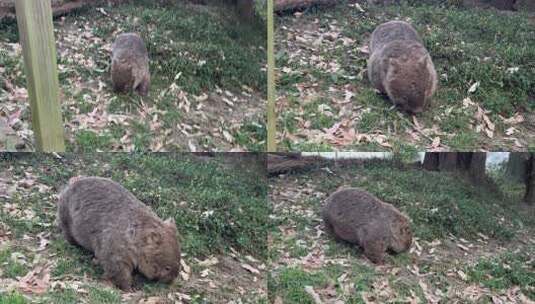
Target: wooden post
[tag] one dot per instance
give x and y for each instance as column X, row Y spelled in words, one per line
column 271, row 113
column 34, row 18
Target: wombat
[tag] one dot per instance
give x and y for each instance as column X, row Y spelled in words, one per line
column 124, row 234
column 401, row 67
column 358, row 217
column 130, row 64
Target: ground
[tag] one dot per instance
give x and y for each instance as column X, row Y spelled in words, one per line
column 208, row 80
column 484, row 59
column 219, row 207
column 470, row 245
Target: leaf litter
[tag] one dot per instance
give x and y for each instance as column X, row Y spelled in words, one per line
column 208, row 122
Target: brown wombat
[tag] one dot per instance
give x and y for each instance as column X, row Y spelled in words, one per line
column 123, row 233
column 358, row 217
column 401, row 67
column 130, row 64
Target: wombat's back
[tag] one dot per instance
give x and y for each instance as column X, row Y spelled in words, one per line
column 357, row 216
column 390, row 31
column 348, row 210
column 90, row 206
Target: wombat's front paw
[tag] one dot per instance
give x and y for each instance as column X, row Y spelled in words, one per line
column 375, row 251
column 125, row 285
column 120, row 276
column 376, row 258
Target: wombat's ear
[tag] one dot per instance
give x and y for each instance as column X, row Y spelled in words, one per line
column 422, row 61
column 170, row 222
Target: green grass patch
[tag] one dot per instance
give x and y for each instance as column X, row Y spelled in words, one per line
column 505, row 271
column 252, row 136
column 9, row 265
column 12, row 298
column 64, row 296
column 104, row 296
column 290, row 285
column 89, row 141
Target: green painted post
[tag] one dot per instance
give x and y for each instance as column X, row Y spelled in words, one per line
column 36, row 31
column 271, row 113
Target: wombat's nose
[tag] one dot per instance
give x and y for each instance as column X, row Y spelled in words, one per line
column 168, row 280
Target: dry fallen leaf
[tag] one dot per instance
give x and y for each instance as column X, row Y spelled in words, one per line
column 209, row 262
column 250, row 268
column 474, row 87
column 153, row 300
column 310, row 290
column 36, row 281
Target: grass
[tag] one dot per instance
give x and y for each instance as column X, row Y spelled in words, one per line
column 12, row 298
column 12, row 267
column 219, row 207
column 292, row 282
column 444, row 208
column 505, row 271
column 194, row 51
column 467, row 46
column 98, row 295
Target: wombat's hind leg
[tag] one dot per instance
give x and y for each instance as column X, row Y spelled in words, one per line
column 64, row 225
column 68, row 237
column 143, row 87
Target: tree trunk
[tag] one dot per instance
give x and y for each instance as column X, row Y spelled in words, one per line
column 477, row 167
column 431, row 161
column 529, row 198
column 447, row 161
column 471, row 163
column 246, row 9
column 516, row 166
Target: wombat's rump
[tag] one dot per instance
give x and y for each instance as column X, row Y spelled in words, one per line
column 123, row 233
column 358, row 217
column 130, row 64
column 401, row 67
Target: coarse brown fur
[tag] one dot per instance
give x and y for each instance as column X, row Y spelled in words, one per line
column 123, row 233
column 401, row 67
column 358, row 217
column 130, row 64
